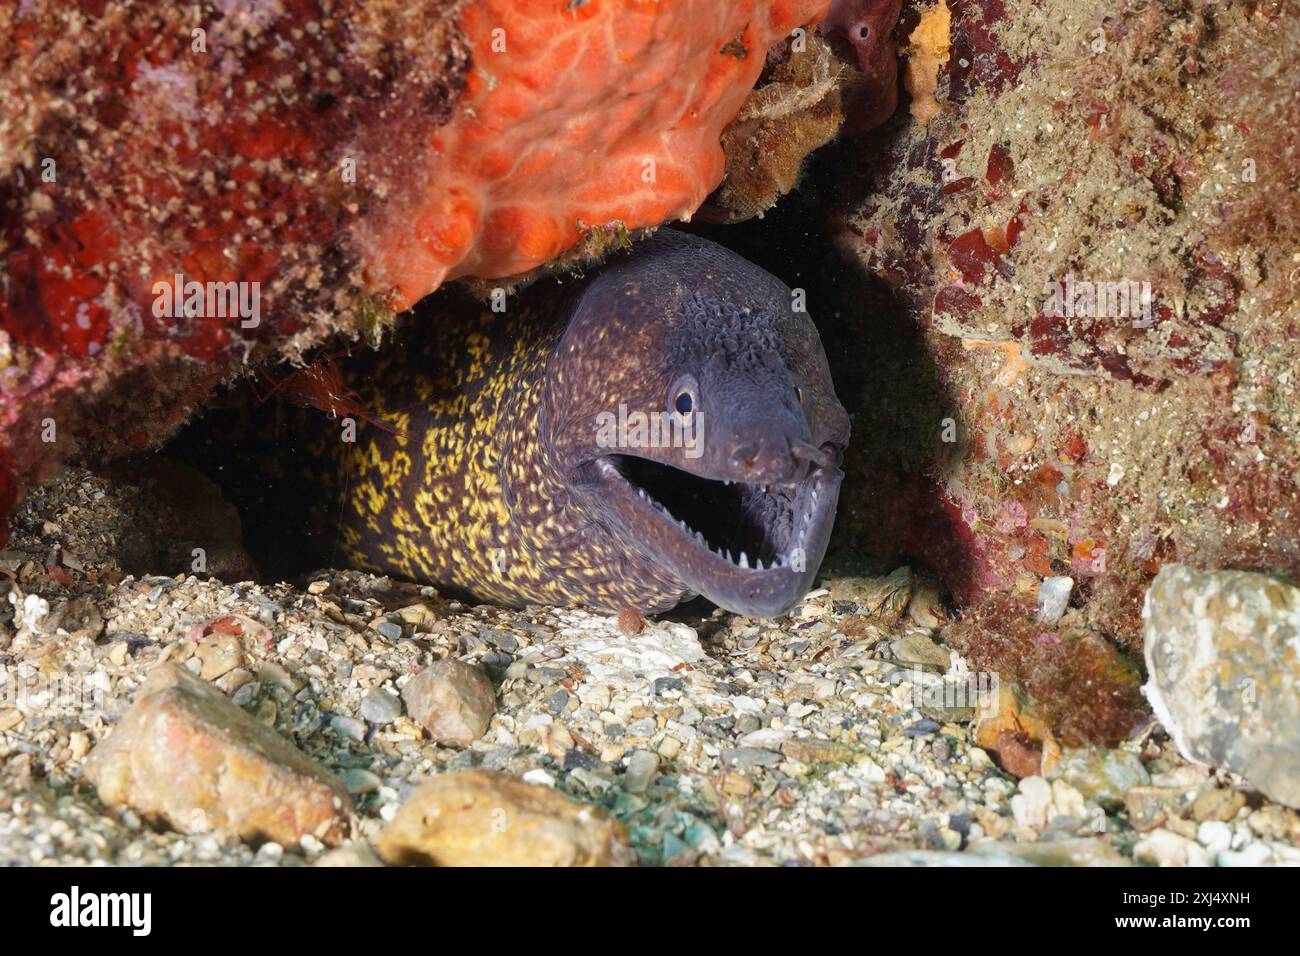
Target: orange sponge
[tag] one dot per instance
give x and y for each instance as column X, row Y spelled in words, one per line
column 574, row 115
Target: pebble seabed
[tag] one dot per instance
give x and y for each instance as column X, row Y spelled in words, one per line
column 821, row 738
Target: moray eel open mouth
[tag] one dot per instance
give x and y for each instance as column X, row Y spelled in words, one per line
column 750, row 547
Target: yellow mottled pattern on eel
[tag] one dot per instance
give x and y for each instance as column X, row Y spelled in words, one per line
column 463, row 492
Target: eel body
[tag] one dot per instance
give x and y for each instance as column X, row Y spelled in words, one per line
column 666, row 429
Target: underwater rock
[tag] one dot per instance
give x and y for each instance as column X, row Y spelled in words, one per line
column 1166, row 848
column 883, row 599
column 1101, row 775
column 452, row 700
column 1022, row 742
column 1053, row 598
column 185, row 754
column 1083, row 688
column 1094, row 235
column 480, row 818
column 1223, row 653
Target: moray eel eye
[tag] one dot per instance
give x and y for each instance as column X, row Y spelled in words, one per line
column 684, row 397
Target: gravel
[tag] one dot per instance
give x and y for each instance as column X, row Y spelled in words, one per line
column 711, row 739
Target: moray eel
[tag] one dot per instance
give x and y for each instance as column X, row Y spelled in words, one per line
column 670, row 430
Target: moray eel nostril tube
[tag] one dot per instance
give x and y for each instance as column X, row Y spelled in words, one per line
column 672, row 430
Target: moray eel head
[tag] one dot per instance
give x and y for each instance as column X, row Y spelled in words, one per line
column 693, row 414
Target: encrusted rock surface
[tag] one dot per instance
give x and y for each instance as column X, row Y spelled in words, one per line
column 1002, row 439
column 828, row 737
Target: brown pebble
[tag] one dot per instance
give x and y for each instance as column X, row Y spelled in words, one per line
column 452, row 700
column 630, row 622
column 1019, row 754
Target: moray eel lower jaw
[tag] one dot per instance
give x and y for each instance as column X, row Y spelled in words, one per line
column 751, row 548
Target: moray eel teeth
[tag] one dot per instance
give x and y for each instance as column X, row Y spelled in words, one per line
column 749, row 547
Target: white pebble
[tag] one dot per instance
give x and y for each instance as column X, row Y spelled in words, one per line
column 1053, row 598
column 1215, row 836
column 538, row 775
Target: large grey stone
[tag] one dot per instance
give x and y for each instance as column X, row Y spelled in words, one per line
column 1223, row 654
